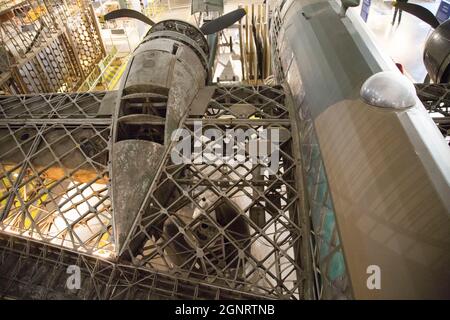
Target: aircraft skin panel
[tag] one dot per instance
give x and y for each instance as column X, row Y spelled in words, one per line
column 388, row 179
column 399, row 224
column 331, row 62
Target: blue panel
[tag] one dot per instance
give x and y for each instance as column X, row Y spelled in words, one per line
column 336, row 267
column 443, row 13
column 365, row 8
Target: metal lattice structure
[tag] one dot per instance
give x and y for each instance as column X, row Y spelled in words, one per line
column 53, row 171
column 436, row 99
column 50, row 46
column 56, row 209
column 185, row 229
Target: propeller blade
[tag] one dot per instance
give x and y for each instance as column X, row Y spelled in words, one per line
column 420, row 12
column 223, row 22
column 128, row 13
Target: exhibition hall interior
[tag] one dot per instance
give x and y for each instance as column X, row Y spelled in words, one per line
column 224, row 150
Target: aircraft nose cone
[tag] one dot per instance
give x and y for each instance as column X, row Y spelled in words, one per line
column 389, row 89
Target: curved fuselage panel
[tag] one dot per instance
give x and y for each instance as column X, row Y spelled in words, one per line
column 386, row 170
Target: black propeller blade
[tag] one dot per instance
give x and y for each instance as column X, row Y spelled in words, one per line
column 223, row 22
column 128, row 13
column 259, row 49
column 420, row 12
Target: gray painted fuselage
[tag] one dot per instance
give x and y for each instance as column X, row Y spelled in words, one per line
column 387, row 172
